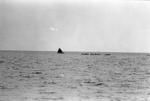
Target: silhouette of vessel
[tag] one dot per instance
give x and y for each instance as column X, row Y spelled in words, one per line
column 60, row 51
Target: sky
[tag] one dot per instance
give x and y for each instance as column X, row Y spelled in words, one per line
column 75, row 25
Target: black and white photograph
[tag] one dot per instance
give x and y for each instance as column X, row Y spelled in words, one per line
column 74, row 50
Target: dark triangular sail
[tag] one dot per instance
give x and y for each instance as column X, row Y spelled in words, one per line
column 60, row 51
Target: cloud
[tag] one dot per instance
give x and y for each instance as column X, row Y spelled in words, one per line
column 53, row 29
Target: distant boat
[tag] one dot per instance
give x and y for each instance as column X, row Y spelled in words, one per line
column 90, row 53
column 84, row 53
column 60, row 51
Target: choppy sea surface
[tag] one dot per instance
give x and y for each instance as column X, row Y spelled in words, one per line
column 48, row 76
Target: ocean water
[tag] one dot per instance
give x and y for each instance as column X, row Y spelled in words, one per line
column 48, row 76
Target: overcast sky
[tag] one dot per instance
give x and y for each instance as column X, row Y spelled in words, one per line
column 75, row 26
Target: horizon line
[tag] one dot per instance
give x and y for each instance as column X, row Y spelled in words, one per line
column 71, row 51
